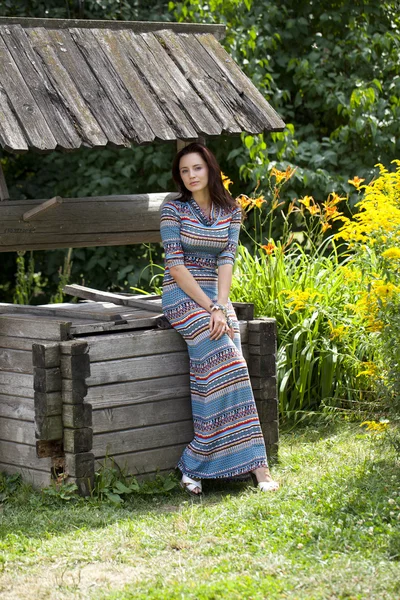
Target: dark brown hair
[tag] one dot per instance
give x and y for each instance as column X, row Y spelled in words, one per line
column 219, row 194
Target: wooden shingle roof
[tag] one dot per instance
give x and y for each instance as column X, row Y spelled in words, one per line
column 71, row 83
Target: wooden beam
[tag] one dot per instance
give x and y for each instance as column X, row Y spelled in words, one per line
column 4, row 195
column 135, row 26
column 38, row 210
column 80, row 222
column 80, row 291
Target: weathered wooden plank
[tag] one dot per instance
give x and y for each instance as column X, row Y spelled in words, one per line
column 12, row 137
column 71, row 311
column 262, row 366
column 15, row 384
column 131, row 369
column 48, row 404
column 264, row 339
column 259, row 113
column 149, row 461
column 77, row 416
column 148, row 66
column 19, row 343
column 25, row 326
column 51, row 241
column 257, row 325
column 264, row 388
column 194, row 106
column 271, row 432
column 4, row 195
column 73, row 390
column 142, row 438
column 81, row 291
column 114, row 45
column 38, row 479
column 14, row 430
column 75, row 366
column 14, row 453
column 45, row 94
column 126, row 324
column 78, row 440
column 16, row 407
column 141, row 415
column 137, row 26
column 61, row 79
column 45, row 356
column 80, row 221
column 86, row 81
column 132, row 344
column 267, row 410
column 200, row 78
column 47, row 380
column 144, row 390
column 79, row 465
column 35, row 127
column 19, row 361
column 48, row 427
column 123, row 103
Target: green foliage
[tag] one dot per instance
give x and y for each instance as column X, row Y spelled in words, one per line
column 29, row 283
column 9, row 485
column 331, row 531
column 116, row 486
column 330, row 69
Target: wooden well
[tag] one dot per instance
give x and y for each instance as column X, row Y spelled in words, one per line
column 80, row 382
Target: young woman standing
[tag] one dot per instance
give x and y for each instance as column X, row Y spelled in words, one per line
column 200, row 233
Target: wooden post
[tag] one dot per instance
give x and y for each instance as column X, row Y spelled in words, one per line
column 77, row 416
column 47, row 386
column 4, row 195
column 262, row 368
column 180, row 144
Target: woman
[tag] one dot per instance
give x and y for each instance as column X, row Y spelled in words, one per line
column 200, row 232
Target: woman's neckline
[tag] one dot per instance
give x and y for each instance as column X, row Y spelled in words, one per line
column 208, row 221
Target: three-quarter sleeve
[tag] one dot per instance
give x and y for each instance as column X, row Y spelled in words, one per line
column 227, row 256
column 170, row 229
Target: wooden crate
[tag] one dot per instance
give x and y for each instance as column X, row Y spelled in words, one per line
column 82, row 382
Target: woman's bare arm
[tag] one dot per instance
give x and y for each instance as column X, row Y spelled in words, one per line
column 224, row 283
column 189, row 285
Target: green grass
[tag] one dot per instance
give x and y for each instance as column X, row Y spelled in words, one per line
column 331, row 532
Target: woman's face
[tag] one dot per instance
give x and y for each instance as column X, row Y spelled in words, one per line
column 194, row 172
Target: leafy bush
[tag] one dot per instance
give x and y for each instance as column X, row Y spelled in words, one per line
column 336, row 304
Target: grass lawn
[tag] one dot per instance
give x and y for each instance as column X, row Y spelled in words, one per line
column 332, row 531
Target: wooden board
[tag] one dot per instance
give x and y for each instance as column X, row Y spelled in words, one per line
column 141, row 415
column 142, row 438
column 19, row 431
column 80, row 222
column 13, row 453
column 146, row 367
column 149, row 461
column 26, row 327
column 19, row 361
column 16, row 384
column 144, row 390
column 17, row 407
column 38, row 479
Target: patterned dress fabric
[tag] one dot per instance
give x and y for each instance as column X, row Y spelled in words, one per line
column 228, row 440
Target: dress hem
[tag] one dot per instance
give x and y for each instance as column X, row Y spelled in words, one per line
column 227, row 475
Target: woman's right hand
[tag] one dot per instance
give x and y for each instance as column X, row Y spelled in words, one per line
column 218, row 325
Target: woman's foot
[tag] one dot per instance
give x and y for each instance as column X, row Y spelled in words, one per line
column 262, row 479
column 191, row 486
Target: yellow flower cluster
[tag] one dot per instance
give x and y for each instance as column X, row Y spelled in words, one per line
column 391, row 253
column 336, row 332
column 226, row 181
column 328, row 212
column 379, row 209
column 300, row 299
column 374, row 426
column 371, row 301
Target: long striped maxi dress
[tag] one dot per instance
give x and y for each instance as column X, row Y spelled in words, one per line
column 228, row 440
